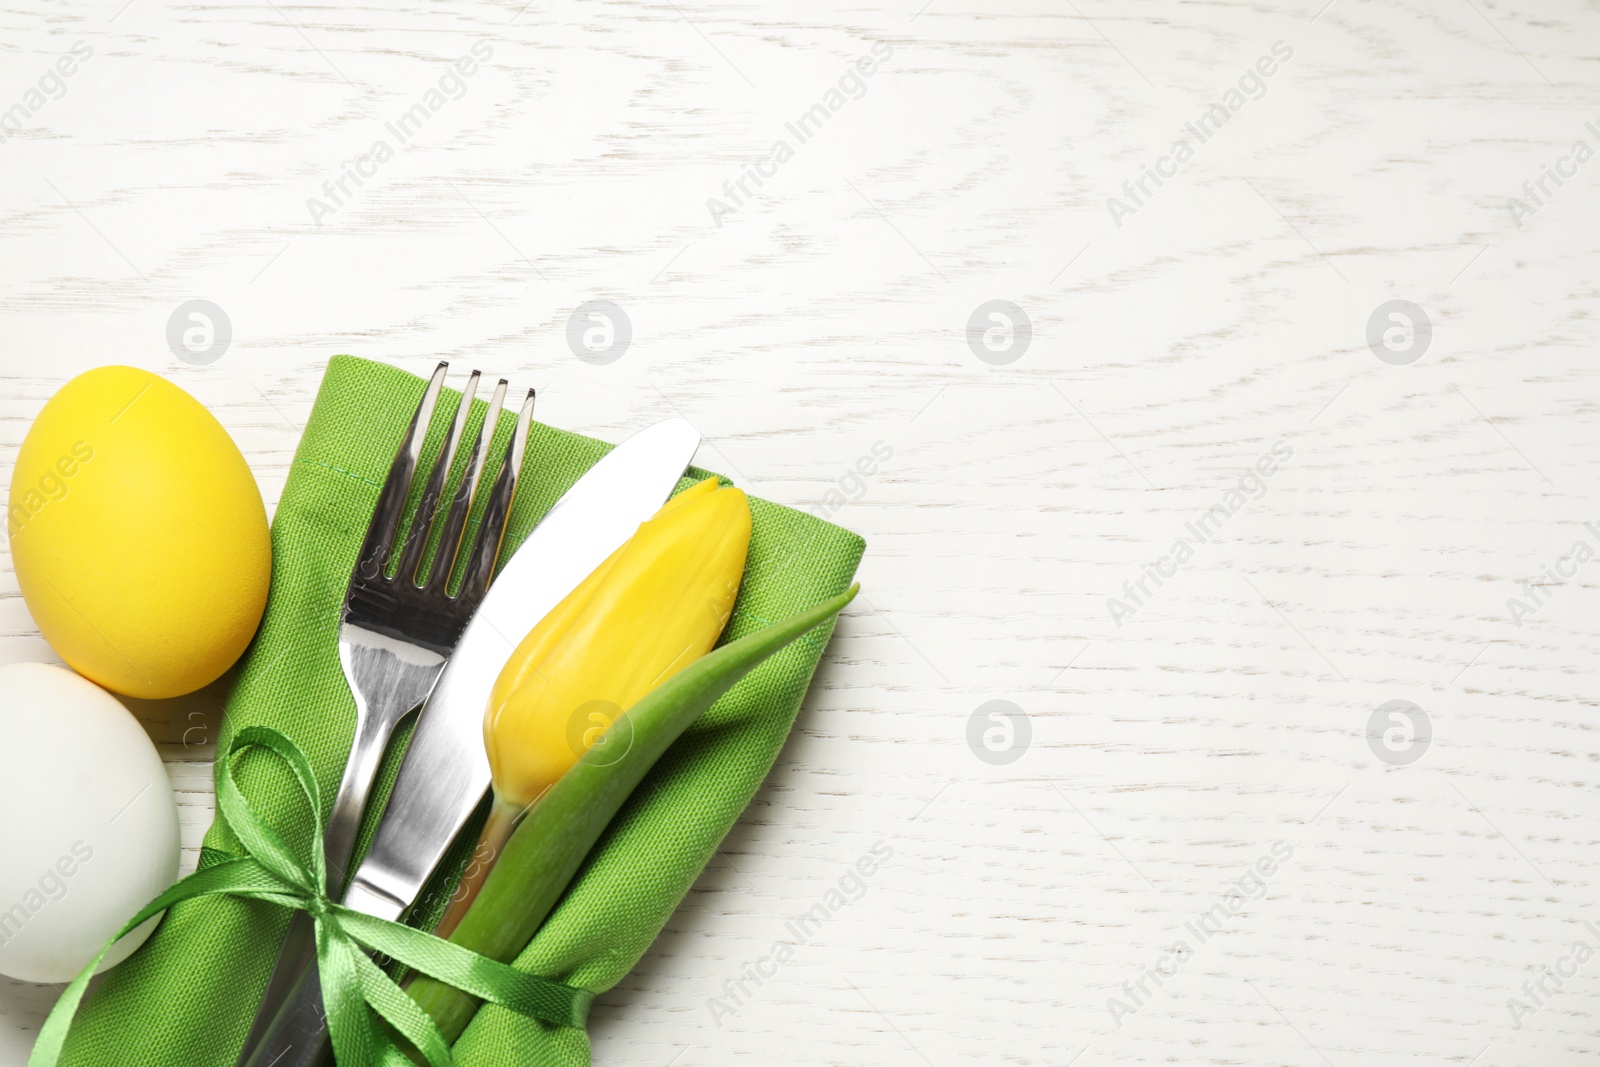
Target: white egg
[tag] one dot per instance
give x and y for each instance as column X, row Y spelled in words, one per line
column 88, row 823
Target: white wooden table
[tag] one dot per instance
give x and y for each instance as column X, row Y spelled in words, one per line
column 1159, row 747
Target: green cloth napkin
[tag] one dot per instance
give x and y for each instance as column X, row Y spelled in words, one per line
column 187, row 997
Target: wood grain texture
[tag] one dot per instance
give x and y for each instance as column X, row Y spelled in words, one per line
column 827, row 312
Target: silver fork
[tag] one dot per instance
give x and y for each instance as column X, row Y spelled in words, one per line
column 397, row 632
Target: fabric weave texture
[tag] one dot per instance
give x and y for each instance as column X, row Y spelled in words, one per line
column 187, row 997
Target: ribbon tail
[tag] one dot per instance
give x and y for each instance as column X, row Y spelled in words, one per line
column 402, row 1013
column 351, row 983
column 244, row 877
column 487, row 979
column 350, row 1027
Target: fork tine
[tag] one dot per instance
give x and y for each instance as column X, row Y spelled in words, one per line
column 428, row 505
column 519, row 436
column 392, row 498
column 455, row 520
column 492, row 527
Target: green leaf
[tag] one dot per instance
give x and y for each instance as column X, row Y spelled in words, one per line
column 557, row 833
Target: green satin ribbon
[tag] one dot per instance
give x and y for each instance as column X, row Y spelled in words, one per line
column 355, row 992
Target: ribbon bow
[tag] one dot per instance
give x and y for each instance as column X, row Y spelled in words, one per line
column 351, row 982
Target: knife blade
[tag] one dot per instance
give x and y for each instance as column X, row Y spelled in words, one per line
column 445, row 772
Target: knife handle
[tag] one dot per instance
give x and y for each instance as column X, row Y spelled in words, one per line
column 298, row 1034
column 297, row 952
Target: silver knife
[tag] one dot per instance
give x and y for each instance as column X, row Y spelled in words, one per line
column 445, row 773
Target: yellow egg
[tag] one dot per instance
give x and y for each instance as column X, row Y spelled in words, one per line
column 138, row 534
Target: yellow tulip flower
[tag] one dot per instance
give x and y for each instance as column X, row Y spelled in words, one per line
column 655, row 606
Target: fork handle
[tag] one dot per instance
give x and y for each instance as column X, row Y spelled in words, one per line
column 355, row 788
column 299, row 944
column 297, row 1035
column 296, row 954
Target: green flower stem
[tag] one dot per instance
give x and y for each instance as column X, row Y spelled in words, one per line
column 550, row 843
column 491, row 843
